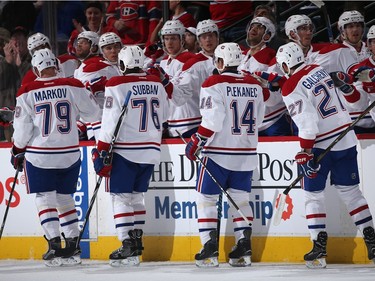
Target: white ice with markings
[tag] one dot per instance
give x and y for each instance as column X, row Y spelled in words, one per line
column 91, row 270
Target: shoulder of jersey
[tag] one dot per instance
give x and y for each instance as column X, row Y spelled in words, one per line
column 332, row 47
column 117, row 80
column 266, row 55
column 193, row 60
column 217, row 79
column 35, row 85
column 293, row 81
column 184, row 57
column 65, row 57
column 95, row 66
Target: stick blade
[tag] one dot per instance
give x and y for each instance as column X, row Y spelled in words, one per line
column 279, row 210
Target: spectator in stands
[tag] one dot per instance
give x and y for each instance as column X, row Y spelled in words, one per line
column 134, row 20
column 230, row 17
column 94, row 22
column 66, row 11
column 13, row 66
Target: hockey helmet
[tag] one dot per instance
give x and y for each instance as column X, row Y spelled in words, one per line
column 130, row 57
column 206, row 26
column 290, row 54
column 267, row 23
column 173, row 27
column 109, row 38
column 370, row 34
column 349, row 17
column 295, row 21
column 43, row 59
column 230, row 53
column 90, row 36
column 36, row 40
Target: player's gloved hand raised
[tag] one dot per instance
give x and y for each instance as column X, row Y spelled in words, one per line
column 96, row 85
column 274, row 80
column 164, row 78
column 343, row 81
column 194, row 146
column 365, row 74
column 17, row 158
column 307, row 164
column 102, row 162
column 154, row 51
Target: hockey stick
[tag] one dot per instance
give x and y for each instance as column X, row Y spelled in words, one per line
column 280, row 209
column 219, row 185
column 107, row 161
column 322, row 6
column 8, row 205
column 219, row 215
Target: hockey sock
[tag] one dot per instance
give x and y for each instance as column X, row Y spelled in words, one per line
column 67, row 215
column 123, row 214
column 46, row 206
column 315, row 213
column 207, row 215
column 138, row 203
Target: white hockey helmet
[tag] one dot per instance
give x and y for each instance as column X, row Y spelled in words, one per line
column 91, row 36
column 206, row 26
column 231, row 54
column 290, row 54
column 171, row 27
column 36, row 40
column 109, row 38
column 43, row 59
column 130, row 57
column 349, row 17
column 370, row 34
column 295, row 21
column 267, row 23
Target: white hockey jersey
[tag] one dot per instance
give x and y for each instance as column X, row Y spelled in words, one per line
column 232, row 106
column 45, row 120
column 341, row 57
column 258, row 62
column 316, row 108
column 140, row 135
column 182, row 117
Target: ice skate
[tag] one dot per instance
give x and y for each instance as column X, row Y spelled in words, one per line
column 126, row 255
column 208, row 256
column 71, row 254
column 241, row 253
column 136, row 234
column 52, row 258
column 316, row 258
column 369, row 237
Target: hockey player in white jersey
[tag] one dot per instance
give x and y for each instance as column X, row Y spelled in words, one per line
column 66, row 64
column 320, row 116
column 135, row 152
column 232, row 107
column 46, row 136
column 96, row 74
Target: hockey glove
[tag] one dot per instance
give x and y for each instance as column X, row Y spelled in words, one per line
column 365, row 74
column 154, row 51
column 17, row 158
column 307, row 165
column 102, row 162
column 274, row 80
column 343, row 81
column 194, row 146
column 96, row 85
column 164, row 78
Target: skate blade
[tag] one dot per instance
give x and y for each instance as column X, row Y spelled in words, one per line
column 71, row 261
column 209, row 262
column 241, row 262
column 317, row 263
column 55, row 262
column 130, row 261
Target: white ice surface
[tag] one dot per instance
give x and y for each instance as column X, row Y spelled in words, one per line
column 91, row 270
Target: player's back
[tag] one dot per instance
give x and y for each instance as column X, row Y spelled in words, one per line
column 142, row 127
column 47, row 110
column 314, row 104
column 232, row 106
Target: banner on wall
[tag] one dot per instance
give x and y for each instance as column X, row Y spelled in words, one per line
column 170, row 201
